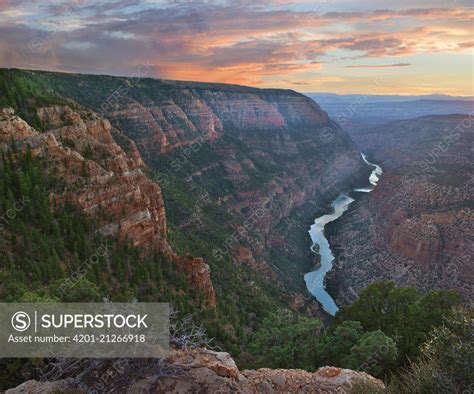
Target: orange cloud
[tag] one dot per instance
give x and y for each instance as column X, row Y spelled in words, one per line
column 236, row 42
column 378, row 65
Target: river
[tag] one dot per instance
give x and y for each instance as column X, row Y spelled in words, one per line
column 315, row 279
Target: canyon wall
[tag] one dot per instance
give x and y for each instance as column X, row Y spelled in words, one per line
column 418, row 223
column 101, row 178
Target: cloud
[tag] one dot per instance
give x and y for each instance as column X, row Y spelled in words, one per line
column 466, row 45
column 248, row 42
column 378, row 65
column 296, row 83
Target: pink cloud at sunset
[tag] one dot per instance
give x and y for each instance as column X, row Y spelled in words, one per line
column 337, row 46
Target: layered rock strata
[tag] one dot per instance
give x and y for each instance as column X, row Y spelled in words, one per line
column 417, row 226
column 105, row 181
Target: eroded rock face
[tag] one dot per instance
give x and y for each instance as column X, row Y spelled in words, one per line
column 102, row 177
column 418, row 240
column 203, row 114
column 417, row 226
column 166, row 127
column 12, row 125
column 56, row 116
column 199, row 274
column 282, row 129
column 104, row 180
column 206, row 371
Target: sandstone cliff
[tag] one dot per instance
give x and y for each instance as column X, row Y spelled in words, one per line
column 104, row 180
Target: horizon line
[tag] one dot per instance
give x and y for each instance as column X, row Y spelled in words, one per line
column 235, row 84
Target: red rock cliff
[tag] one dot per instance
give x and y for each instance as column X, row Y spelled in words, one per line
column 103, row 180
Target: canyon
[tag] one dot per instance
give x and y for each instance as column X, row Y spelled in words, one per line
column 243, row 170
column 255, row 157
column 417, row 227
column 315, row 279
column 225, row 181
column 204, row 164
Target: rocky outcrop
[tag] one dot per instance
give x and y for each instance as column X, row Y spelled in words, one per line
column 57, row 116
column 12, row 126
column 104, row 180
column 199, row 275
column 167, row 115
column 101, row 178
column 207, row 371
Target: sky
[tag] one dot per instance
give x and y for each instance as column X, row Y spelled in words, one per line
column 364, row 46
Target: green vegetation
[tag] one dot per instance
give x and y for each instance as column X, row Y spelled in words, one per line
column 48, row 248
column 285, row 340
column 350, row 347
column 53, row 253
column 374, row 353
column 404, row 314
column 201, row 227
column 25, row 91
column 333, row 348
column 446, row 363
column 379, row 333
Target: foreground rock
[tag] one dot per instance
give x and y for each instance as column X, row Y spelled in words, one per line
column 206, row 371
